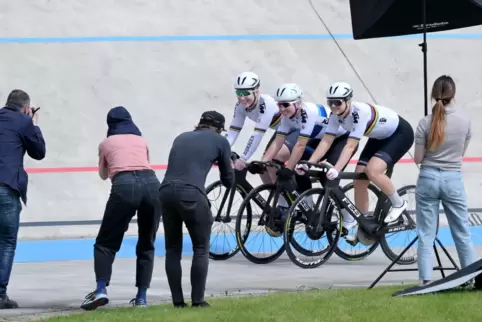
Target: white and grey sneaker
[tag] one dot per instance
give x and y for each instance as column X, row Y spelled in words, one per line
column 94, row 300
column 395, row 212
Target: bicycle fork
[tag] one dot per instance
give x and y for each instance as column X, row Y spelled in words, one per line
column 227, row 218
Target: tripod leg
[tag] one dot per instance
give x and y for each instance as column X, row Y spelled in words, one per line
column 438, row 261
column 393, row 263
column 447, row 253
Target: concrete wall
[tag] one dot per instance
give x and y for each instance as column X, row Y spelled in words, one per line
column 168, row 61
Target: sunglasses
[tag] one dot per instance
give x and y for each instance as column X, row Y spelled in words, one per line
column 242, row 93
column 335, row 102
column 285, row 104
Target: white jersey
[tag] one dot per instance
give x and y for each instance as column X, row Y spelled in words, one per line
column 265, row 114
column 312, row 122
column 372, row 121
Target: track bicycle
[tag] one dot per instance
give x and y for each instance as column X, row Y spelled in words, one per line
column 371, row 229
column 221, row 218
column 270, row 218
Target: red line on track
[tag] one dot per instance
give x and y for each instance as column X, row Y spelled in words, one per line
column 164, row 166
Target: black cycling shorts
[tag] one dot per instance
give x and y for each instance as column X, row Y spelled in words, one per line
column 391, row 149
column 333, row 153
column 290, row 140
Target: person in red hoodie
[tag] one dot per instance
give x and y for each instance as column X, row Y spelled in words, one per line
column 124, row 159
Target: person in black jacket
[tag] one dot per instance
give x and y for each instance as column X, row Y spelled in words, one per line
column 19, row 133
column 183, row 199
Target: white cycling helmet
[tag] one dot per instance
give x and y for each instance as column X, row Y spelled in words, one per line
column 288, row 92
column 247, row 80
column 340, row 90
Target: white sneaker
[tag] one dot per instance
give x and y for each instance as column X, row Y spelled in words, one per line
column 395, row 212
column 349, row 224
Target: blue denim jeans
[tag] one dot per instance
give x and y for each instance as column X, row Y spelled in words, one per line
column 10, row 208
column 435, row 186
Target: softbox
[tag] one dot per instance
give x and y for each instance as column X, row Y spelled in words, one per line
column 389, row 18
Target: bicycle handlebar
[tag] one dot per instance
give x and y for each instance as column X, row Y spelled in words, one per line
column 324, row 166
column 264, row 164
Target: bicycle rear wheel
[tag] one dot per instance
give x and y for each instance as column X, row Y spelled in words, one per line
column 223, row 244
column 343, row 247
column 256, row 248
column 406, row 219
column 332, row 230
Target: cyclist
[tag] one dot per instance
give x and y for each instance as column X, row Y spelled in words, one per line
column 261, row 109
column 389, row 138
column 310, row 120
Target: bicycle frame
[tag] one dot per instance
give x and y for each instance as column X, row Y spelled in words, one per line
column 372, row 225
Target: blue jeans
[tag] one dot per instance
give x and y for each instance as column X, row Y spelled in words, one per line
column 10, row 208
column 435, row 186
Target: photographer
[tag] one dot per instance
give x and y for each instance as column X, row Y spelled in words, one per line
column 440, row 143
column 124, row 159
column 19, row 133
column 183, row 199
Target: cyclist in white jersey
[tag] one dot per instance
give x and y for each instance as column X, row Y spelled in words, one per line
column 259, row 108
column 311, row 121
column 389, row 138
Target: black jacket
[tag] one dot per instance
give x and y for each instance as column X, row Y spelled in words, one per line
column 192, row 156
column 18, row 135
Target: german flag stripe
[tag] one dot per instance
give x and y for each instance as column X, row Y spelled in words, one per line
column 304, row 137
column 373, row 119
column 259, row 130
column 276, row 119
column 235, row 128
column 281, row 134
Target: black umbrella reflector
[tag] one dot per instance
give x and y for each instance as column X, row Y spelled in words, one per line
column 388, row 18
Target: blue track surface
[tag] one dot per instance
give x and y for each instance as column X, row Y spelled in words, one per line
column 82, row 249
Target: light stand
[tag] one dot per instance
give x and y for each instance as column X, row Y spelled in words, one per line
column 423, row 45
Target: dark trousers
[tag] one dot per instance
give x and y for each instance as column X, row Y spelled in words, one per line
column 10, row 208
column 183, row 203
column 131, row 192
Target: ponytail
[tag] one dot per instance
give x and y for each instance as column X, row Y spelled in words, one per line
column 437, row 128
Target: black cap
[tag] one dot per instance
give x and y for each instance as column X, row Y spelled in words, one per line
column 213, row 118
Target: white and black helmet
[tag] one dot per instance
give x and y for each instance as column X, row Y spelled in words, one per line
column 247, row 80
column 288, row 92
column 339, row 90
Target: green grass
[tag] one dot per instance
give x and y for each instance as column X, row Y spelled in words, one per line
column 322, row 305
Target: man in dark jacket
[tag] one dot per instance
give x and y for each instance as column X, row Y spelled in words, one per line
column 183, row 199
column 19, row 133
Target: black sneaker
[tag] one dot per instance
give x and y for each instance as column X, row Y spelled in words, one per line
column 7, row 303
column 180, row 305
column 202, row 304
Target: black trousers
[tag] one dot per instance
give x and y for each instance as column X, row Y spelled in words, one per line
column 182, row 203
column 131, row 192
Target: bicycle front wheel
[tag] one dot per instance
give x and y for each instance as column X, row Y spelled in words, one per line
column 306, row 238
column 223, row 239
column 265, row 243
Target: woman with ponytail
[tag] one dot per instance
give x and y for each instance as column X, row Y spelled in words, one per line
column 441, row 140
